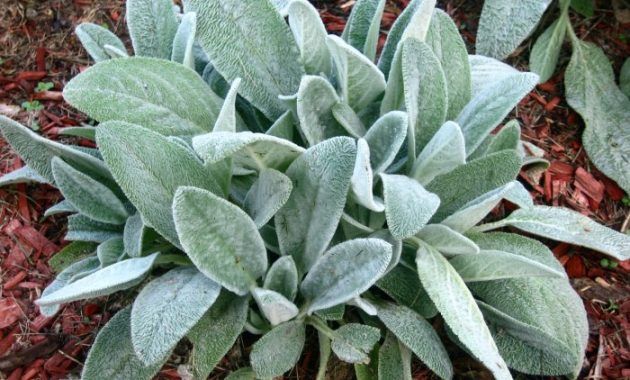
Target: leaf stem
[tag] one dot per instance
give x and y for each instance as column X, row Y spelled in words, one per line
column 324, row 355
column 320, row 325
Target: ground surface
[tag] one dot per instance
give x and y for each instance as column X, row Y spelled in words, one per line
column 39, row 53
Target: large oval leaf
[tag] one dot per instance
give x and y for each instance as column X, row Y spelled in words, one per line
column 316, row 98
column 426, row 97
column 118, row 276
column 444, row 152
column 418, row 335
column 363, row 26
column 157, row 320
column 88, row 195
column 220, row 239
column 408, row 206
column 385, row 138
column 112, row 355
column 94, row 38
column 592, row 92
column 152, row 26
column 344, row 272
column 490, row 106
column 459, row 310
column 566, row 225
column 480, row 176
column 310, row 35
column 525, row 316
column 361, row 82
column 267, row 195
column 503, row 25
column 278, row 350
column 448, row 46
column 250, row 40
column 137, row 90
column 545, row 53
column 38, row 153
column 130, row 152
column 214, row 335
column 308, row 220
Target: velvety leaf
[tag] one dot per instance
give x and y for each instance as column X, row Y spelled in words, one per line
column 527, row 302
column 485, row 72
column 480, row 176
column 274, row 306
column 38, row 152
column 360, row 81
column 121, row 275
column 509, row 137
column 226, row 121
column 474, row 211
column 129, row 151
column 394, row 360
column 73, row 270
column 278, row 350
column 310, row 35
column 426, row 97
column 251, row 40
column 282, row 277
column 349, row 120
column 459, row 310
column 136, row 90
column 110, row 251
column 283, row 127
column 267, row 195
column 60, row 208
column 308, row 220
column 545, row 53
column 490, row 265
column 504, row 25
column 397, row 246
column 133, row 235
column 394, row 36
column 215, row 333
column 447, row 241
column 220, row 239
column 316, row 98
column 353, row 342
column 82, row 228
column 70, row 254
column 591, row 91
column 518, row 245
column 364, row 25
column 112, row 355
column 448, row 46
column 21, row 175
column 94, row 38
column 444, row 152
column 408, row 206
column 184, row 40
column 334, row 313
column 248, row 150
column 344, row 272
column 152, row 27
column 362, row 179
column 489, row 107
column 418, row 335
column 385, row 138
column 92, row 198
column 167, row 308
column 85, row 132
column 566, row 225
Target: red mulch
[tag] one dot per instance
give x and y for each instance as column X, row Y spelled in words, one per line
column 37, row 45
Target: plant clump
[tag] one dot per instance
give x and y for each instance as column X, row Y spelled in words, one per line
column 256, row 174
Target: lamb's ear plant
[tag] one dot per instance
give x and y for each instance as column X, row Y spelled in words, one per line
column 590, row 85
column 313, row 194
